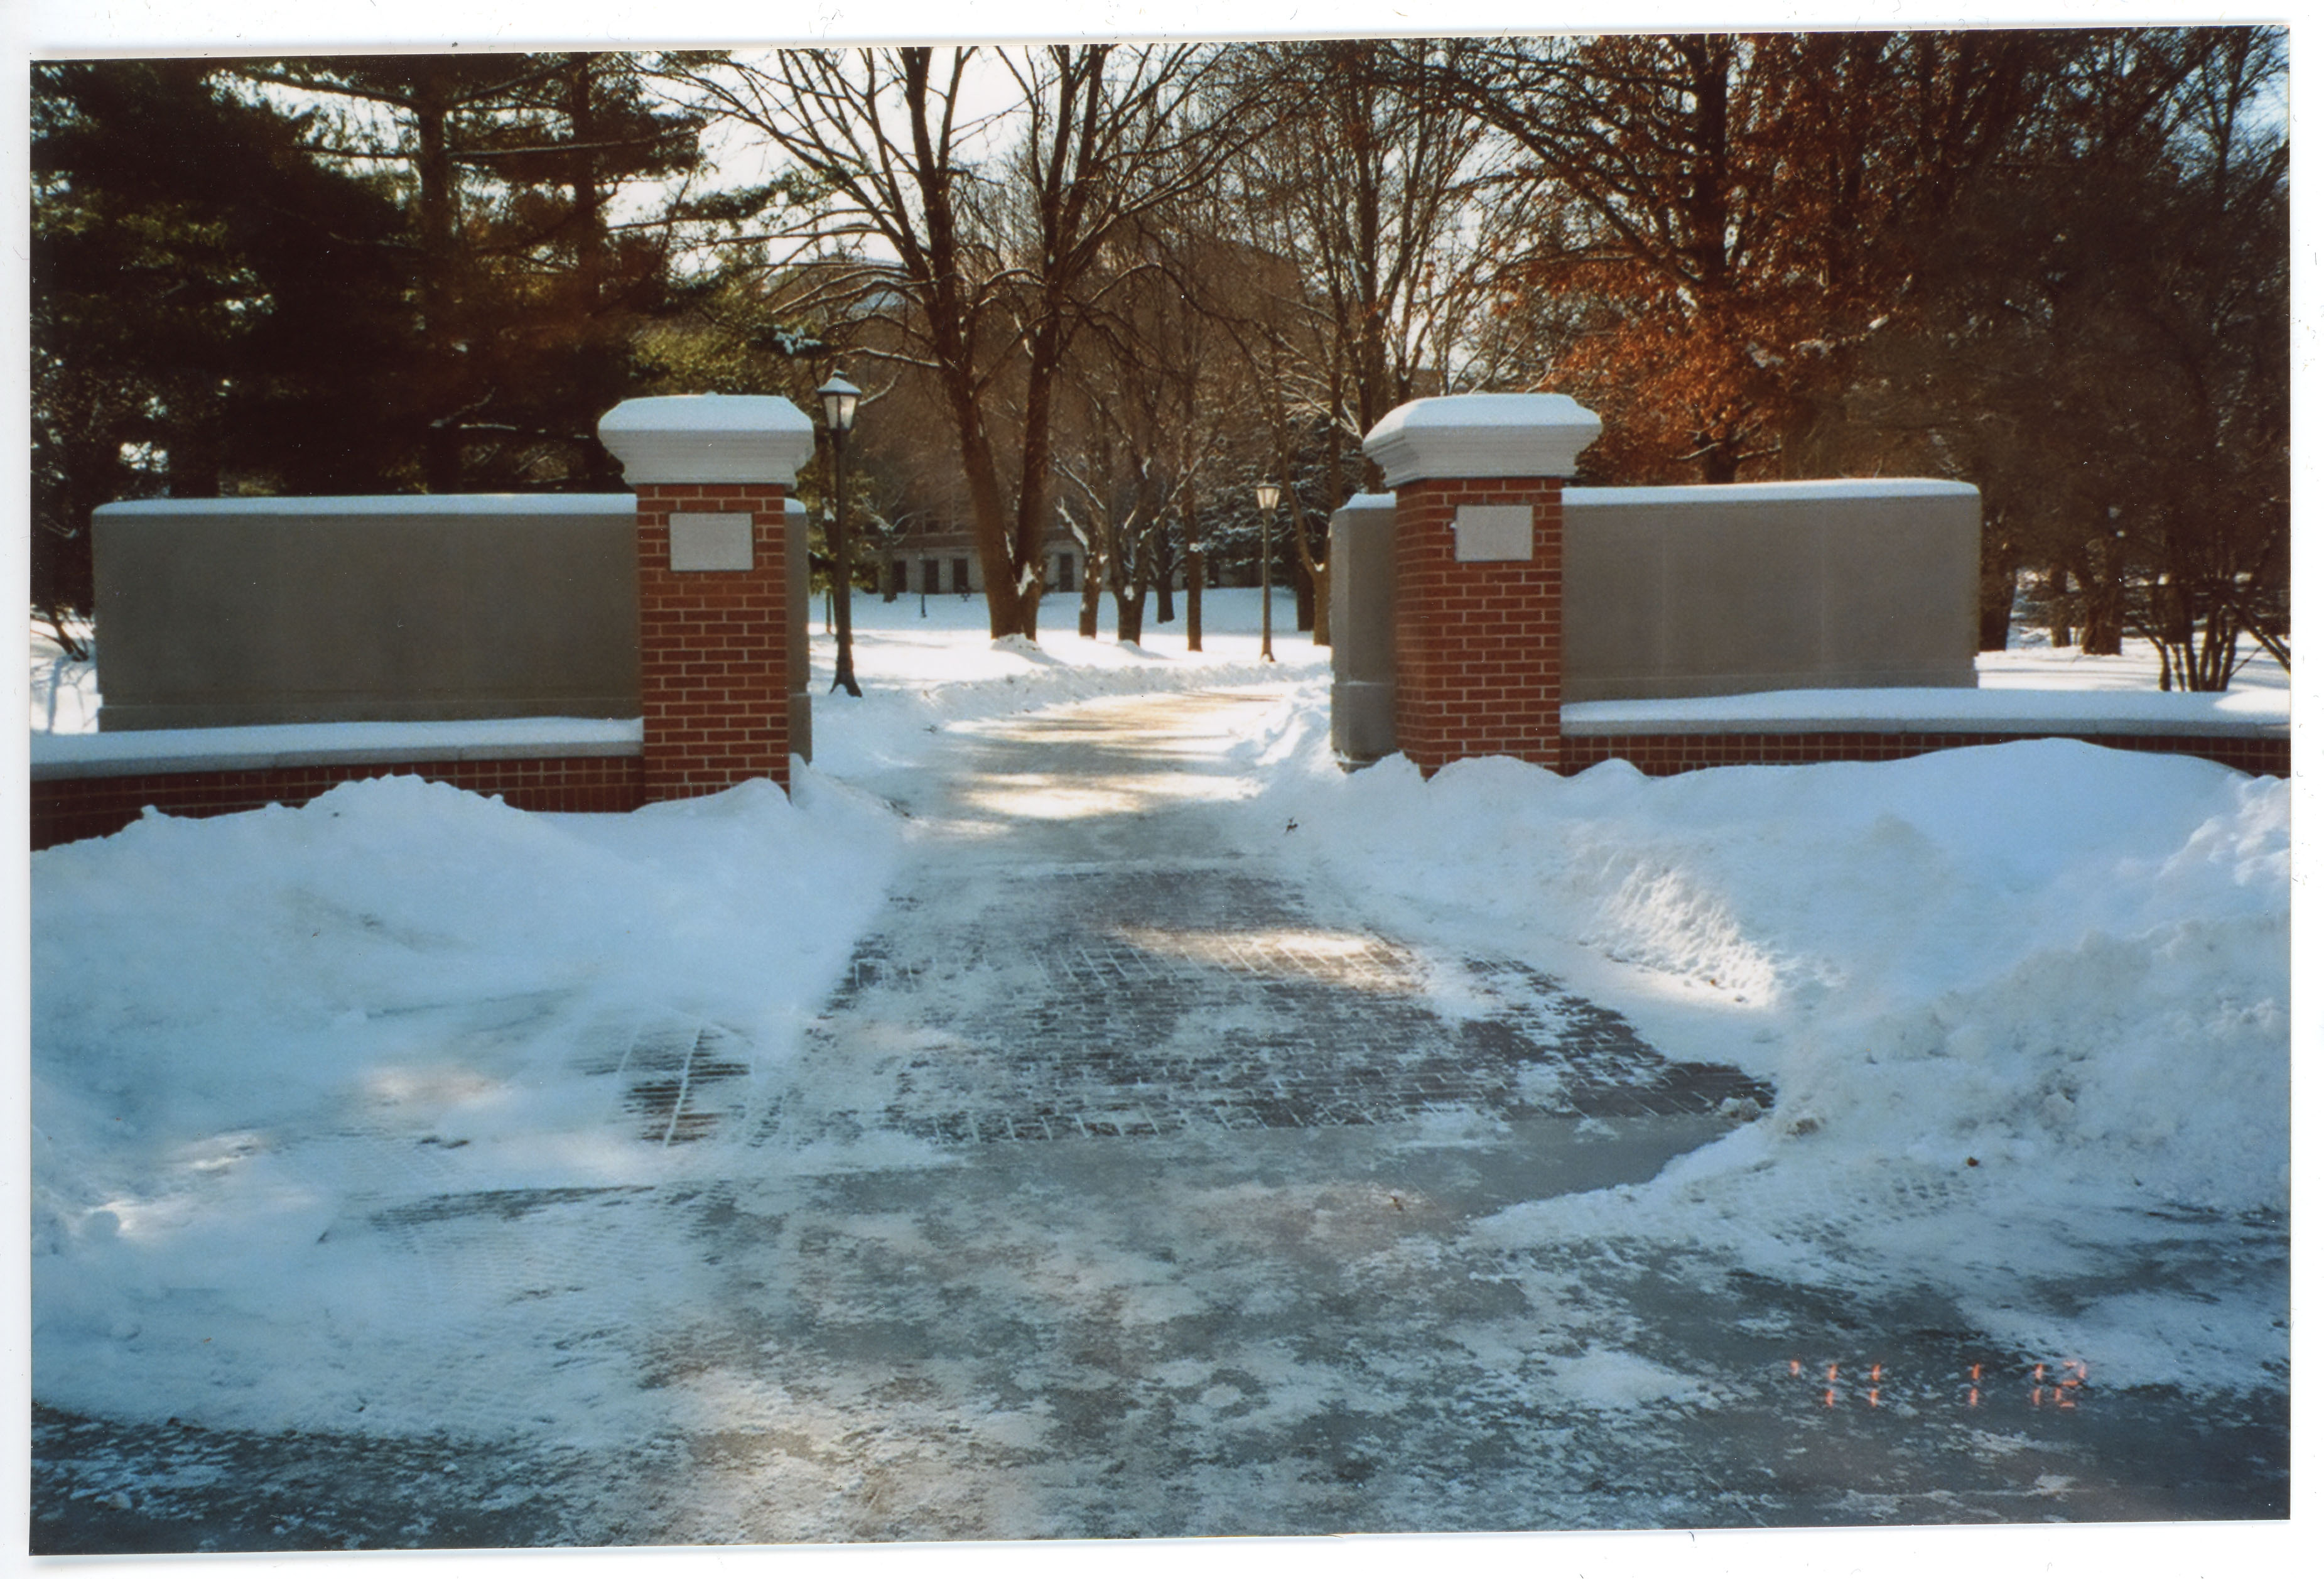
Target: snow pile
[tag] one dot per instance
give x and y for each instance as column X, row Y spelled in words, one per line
column 222, row 948
column 245, row 1027
column 2020, row 1003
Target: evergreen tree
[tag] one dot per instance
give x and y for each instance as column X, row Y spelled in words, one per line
column 211, row 309
column 528, row 287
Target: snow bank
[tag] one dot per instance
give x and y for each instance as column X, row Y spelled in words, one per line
column 224, row 967
column 234, row 1018
column 2019, row 1002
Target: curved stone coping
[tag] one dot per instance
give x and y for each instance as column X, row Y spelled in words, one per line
column 129, row 752
column 384, row 504
column 708, row 438
column 1915, row 710
column 1446, row 438
column 1795, row 492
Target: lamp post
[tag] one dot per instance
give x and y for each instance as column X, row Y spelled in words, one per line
column 1194, row 573
column 1268, row 495
column 839, row 397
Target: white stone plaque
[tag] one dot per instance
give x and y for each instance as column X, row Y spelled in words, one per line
column 1493, row 531
column 701, row 540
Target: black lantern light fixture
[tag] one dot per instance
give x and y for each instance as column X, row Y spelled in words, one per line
column 839, row 398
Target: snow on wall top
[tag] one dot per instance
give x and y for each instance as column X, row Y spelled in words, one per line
column 298, row 745
column 1481, row 436
column 384, row 504
column 1792, row 492
column 708, row 438
column 1946, row 710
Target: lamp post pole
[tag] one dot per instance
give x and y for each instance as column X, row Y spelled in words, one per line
column 1268, row 495
column 839, row 397
column 1195, row 573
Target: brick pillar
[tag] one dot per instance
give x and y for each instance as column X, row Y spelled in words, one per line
column 714, row 609
column 1480, row 571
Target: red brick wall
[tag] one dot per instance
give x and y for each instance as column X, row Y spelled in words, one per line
column 64, row 809
column 1661, row 755
column 713, row 647
column 1480, row 648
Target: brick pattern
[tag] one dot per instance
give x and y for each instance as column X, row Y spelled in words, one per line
column 1664, row 754
column 1479, row 647
column 1079, row 1003
column 65, row 809
column 713, row 648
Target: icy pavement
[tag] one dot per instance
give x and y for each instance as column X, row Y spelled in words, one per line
column 1128, row 1187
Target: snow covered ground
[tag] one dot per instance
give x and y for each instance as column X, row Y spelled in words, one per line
column 64, row 695
column 2027, row 1008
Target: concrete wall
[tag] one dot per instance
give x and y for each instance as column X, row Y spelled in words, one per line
column 1720, row 590
column 1723, row 590
column 287, row 611
column 1363, row 627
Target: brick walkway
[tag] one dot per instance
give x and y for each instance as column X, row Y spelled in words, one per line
column 1150, row 1000
column 1178, row 986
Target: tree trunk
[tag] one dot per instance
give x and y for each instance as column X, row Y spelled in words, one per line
column 2177, row 634
column 1129, row 613
column 431, row 109
column 987, row 510
column 2061, row 596
column 1997, row 600
column 1313, row 581
column 2100, row 574
column 1046, row 357
column 1163, row 611
column 2219, row 654
column 600, row 374
column 1096, row 564
column 194, row 470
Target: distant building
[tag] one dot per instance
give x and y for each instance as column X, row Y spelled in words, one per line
column 938, row 554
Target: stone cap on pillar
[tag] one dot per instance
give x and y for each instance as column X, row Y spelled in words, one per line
column 708, row 438
column 1481, row 436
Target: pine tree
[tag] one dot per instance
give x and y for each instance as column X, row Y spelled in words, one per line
column 212, row 310
column 529, row 289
